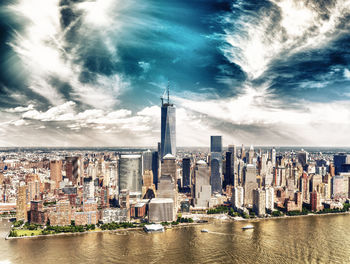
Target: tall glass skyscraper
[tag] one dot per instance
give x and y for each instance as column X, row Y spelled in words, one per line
column 216, row 164
column 216, row 144
column 168, row 128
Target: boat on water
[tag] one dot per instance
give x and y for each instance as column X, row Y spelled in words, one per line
column 247, row 227
column 204, row 231
column 154, row 228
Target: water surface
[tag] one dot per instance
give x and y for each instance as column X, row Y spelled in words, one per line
column 313, row 239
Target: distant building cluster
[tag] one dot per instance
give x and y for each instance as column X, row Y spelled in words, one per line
column 85, row 187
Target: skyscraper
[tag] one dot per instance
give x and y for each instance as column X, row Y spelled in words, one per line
column 130, row 173
column 249, row 183
column 168, row 127
column 250, row 155
column 202, row 188
column 74, row 169
column 340, row 160
column 216, row 144
column 216, row 164
column 186, row 172
column 303, row 157
column 259, row 202
column 146, row 161
column 228, row 178
column 216, row 171
column 155, row 167
column 233, row 150
column 56, row 172
column 21, row 212
column 168, row 167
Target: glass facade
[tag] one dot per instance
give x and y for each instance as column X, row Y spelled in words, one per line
column 216, row 171
column 186, row 172
column 168, row 130
column 215, row 144
column 130, row 173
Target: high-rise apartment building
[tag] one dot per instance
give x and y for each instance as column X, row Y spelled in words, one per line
column 237, row 197
column 74, row 169
column 21, row 206
column 56, row 171
column 259, row 202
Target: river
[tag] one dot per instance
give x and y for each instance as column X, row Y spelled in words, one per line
column 312, row 239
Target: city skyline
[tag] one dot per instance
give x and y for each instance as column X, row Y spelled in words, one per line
column 84, row 74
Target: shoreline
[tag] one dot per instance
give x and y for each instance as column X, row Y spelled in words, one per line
column 284, row 217
column 180, row 225
column 100, row 231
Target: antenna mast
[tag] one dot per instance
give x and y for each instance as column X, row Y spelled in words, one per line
column 168, row 91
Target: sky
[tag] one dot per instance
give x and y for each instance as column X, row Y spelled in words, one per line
column 91, row 73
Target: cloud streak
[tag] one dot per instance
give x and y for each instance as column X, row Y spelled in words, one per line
column 91, row 72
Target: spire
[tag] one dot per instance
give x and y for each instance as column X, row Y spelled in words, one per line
column 168, row 91
column 166, row 95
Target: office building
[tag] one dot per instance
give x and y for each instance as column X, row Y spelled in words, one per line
column 155, row 167
column 273, row 157
column 168, row 166
column 161, row 210
column 216, row 172
column 148, row 187
column 216, row 164
column 186, row 172
column 168, row 127
column 202, row 187
column 216, row 144
column 130, row 173
column 341, row 160
column 229, row 172
column 233, row 150
column 249, row 183
column 146, row 160
column 251, row 154
column 303, row 157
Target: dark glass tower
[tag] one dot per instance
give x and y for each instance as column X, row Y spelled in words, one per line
column 216, row 144
column 186, row 172
column 168, row 128
column 216, row 164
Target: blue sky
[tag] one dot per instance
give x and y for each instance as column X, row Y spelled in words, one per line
column 90, row 73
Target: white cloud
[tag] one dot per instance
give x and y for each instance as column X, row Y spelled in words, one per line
column 347, row 73
column 257, row 39
column 20, row 109
column 40, row 46
column 64, row 112
column 145, row 66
